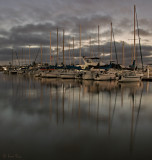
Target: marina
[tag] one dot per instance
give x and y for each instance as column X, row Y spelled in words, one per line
column 75, row 80
column 92, row 68
column 111, row 74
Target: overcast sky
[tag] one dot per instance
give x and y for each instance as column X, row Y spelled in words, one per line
column 30, row 22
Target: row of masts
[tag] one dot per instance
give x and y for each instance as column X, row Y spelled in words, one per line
column 69, row 46
column 80, row 46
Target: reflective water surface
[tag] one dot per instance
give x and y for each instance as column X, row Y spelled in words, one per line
column 69, row 119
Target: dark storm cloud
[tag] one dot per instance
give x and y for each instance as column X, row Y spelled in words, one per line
column 16, row 40
column 39, row 33
column 7, row 55
column 146, row 23
column 87, row 23
column 30, row 22
column 125, row 23
column 28, row 34
column 72, row 23
column 142, row 32
column 22, row 12
column 4, row 42
column 46, row 27
column 4, row 33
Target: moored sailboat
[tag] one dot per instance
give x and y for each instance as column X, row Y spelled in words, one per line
column 130, row 77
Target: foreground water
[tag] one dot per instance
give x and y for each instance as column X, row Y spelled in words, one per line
column 69, row 119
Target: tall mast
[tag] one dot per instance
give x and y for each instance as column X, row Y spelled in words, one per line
column 29, row 55
column 57, row 46
column 41, row 54
column 136, row 55
column 63, row 49
column 50, row 48
column 123, row 62
column 73, row 50
column 111, row 44
column 132, row 53
column 103, row 53
column 80, row 48
column 134, row 31
column 12, row 56
column 25, row 55
column 69, row 53
column 98, row 40
column 52, row 57
column 90, row 46
column 22, row 56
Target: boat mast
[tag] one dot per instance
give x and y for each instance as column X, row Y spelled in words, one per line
column 50, row 48
column 132, row 53
column 103, row 53
column 12, row 56
column 73, row 50
column 63, row 49
column 25, row 56
column 98, row 40
column 41, row 54
column 22, row 56
column 90, row 46
column 69, row 52
column 123, row 62
column 111, row 45
column 114, row 46
column 29, row 55
column 139, row 41
column 57, row 46
column 134, row 31
column 80, row 47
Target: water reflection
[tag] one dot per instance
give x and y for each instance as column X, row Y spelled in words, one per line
column 55, row 118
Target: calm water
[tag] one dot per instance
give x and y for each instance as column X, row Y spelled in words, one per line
column 67, row 119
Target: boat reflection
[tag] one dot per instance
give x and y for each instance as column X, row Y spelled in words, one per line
column 106, row 111
column 76, row 95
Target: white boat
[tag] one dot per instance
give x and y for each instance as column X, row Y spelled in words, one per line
column 67, row 74
column 90, row 62
column 53, row 74
column 87, row 75
column 129, row 77
column 104, row 77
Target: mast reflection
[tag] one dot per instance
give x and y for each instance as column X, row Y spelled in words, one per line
column 87, row 106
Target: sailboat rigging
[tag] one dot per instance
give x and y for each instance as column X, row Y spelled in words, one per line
column 139, row 41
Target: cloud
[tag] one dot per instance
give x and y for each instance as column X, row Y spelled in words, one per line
column 46, row 27
column 30, row 22
column 35, row 34
column 125, row 23
column 142, row 32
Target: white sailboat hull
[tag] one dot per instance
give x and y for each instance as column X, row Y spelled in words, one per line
column 50, row 75
column 105, row 77
column 87, row 76
column 130, row 79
